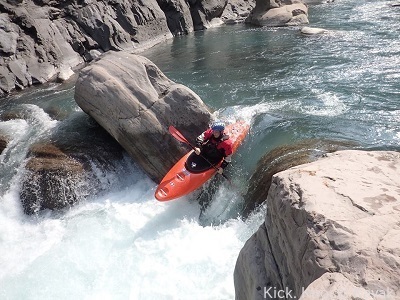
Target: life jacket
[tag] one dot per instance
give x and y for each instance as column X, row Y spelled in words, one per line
column 216, row 148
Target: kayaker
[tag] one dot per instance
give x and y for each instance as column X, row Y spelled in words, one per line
column 214, row 145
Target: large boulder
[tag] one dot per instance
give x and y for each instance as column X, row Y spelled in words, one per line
column 177, row 13
column 203, row 11
column 332, row 228
column 136, row 103
column 279, row 13
column 237, row 11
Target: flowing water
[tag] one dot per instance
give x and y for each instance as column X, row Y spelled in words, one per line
column 123, row 244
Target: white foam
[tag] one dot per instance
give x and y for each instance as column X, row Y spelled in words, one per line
column 124, row 245
column 325, row 104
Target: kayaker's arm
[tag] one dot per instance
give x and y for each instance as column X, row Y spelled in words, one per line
column 199, row 143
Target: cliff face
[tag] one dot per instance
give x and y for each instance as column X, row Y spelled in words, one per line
column 42, row 40
column 331, row 232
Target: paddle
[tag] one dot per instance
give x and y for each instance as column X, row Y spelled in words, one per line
column 179, row 136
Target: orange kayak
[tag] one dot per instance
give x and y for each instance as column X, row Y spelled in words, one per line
column 185, row 177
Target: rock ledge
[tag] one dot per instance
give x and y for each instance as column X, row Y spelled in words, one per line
column 331, row 231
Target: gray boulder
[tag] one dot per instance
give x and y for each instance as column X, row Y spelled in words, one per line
column 136, row 103
column 279, row 13
column 203, row 11
column 331, row 231
column 237, row 11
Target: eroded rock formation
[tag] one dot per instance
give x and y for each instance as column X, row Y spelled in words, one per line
column 331, row 231
column 42, row 40
column 279, row 13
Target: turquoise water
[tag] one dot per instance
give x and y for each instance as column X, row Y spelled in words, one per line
column 342, row 85
column 126, row 245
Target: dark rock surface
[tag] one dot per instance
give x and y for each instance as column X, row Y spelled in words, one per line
column 43, row 40
column 3, row 143
column 283, row 158
column 79, row 160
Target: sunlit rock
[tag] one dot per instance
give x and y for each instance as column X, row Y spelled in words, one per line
column 271, row 13
column 312, row 30
column 237, row 11
column 65, row 74
column 136, row 103
column 339, row 215
column 43, row 41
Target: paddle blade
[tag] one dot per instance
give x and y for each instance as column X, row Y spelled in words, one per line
column 176, row 134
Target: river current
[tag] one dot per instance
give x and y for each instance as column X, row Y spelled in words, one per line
column 343, row 85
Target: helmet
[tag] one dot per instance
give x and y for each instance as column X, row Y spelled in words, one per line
column 218, row 125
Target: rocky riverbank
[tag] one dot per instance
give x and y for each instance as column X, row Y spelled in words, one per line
column 331, row 232
column 42, row 40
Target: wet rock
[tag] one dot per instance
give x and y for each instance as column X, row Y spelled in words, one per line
column 283, row 158
column 80, row 159
column 51, row 179
column 136, row 103
column 331, row 230
column 3, row 143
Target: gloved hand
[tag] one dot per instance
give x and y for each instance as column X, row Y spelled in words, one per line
column 220, row 170
column 197, row 150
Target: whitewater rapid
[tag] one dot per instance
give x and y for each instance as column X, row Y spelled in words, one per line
column 123, row 244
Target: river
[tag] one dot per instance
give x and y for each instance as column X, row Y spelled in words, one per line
column 123, row 244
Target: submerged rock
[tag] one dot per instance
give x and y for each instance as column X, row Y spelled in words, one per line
column 332, row 228
column 136, row 103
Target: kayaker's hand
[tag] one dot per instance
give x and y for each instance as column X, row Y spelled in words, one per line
column 220, row 170
column 197, row 150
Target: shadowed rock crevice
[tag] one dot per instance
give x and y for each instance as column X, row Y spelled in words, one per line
column 283, row 158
